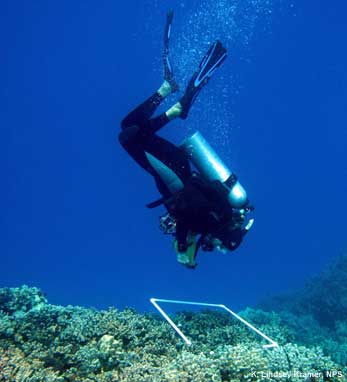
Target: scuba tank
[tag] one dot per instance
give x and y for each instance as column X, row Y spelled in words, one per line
column 210, row 166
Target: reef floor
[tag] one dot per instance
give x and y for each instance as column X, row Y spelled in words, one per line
column 48, row 343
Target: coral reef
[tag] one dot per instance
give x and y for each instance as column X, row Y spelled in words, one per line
column 317, row 313
column 43, row 342
column 324, row 297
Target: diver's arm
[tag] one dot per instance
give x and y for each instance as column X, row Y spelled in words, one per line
column 181, row 235
column 185, row 246
column 234, row 238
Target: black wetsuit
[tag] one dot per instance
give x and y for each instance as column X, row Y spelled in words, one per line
column 201, row 206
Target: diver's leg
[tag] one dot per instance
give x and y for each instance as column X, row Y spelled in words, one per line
column 137, row 128
column 144, row 111
column 141, row 139
column 174, row 111
column 138, row 142
column 155, row 124
column 170, row 155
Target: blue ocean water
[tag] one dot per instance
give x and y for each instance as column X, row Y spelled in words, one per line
column 73, row 219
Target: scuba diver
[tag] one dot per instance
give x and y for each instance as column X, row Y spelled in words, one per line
column 206, row 207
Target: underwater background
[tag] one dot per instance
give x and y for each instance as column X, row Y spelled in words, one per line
column 73, row 219
column 74, row 222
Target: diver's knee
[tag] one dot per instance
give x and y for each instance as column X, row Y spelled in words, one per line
column 124, row 124
column 122, row 138
column 128, row 134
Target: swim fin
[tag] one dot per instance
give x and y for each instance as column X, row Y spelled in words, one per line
column 212, row 60
column 168, row 72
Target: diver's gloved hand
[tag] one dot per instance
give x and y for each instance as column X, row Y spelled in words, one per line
column 186, row 253
column 239, row 216
column 210, row 243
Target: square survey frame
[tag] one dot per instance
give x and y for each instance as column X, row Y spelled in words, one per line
column 154, row 301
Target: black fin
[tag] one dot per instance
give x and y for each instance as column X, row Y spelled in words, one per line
column 168, row 72
column 212, row 60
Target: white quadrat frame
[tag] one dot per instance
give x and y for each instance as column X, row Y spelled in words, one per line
column 154, row 301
